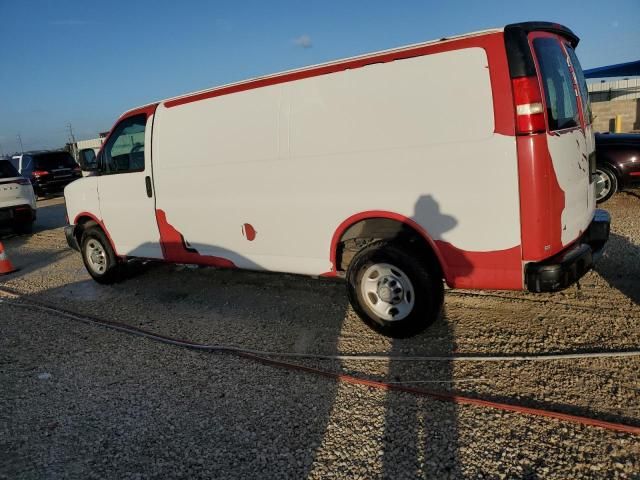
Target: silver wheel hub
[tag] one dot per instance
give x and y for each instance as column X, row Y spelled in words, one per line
column 96, row 256
column 387, row 291
column 603, row 184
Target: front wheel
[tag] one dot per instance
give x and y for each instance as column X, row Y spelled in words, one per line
column 99, row 258
column 606, row 184
column 394, row 289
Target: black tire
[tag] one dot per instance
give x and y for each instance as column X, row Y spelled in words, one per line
column 111, row 270
column 25, row 228
column 604, row 174
column 425, row 281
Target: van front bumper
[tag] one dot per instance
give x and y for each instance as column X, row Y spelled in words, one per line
column 568, row 266
column 70, row 235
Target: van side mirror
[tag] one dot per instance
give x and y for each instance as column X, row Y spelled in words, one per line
column 87, row 160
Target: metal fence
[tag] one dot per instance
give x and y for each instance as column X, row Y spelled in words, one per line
column 604, row 91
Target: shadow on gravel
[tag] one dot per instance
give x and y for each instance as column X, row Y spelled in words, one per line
column 272, row 312
column 318, row 432
column 622, row 269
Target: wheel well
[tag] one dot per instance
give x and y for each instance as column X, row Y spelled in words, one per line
column 366, row 231
column 82, row 224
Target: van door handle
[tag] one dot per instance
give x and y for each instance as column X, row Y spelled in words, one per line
column 147, row 181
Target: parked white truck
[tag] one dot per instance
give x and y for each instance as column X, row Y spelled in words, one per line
column 467, row 159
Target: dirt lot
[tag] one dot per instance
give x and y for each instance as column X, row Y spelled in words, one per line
column 80, row 401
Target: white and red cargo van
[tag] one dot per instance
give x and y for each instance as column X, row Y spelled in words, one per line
column 467, row 159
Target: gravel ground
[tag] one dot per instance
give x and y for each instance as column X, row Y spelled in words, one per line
column 80, row 401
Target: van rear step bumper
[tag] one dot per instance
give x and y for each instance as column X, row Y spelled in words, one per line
column 568, row 266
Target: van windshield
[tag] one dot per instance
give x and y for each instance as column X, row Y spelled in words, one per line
column 7, row 170
column 53, row 160
column 562, row 105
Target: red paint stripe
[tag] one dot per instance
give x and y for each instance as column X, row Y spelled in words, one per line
column 492, row 43
column 497, row 269
column 634, row 174
column 174, row 249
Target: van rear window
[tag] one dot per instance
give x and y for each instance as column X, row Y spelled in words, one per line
column 53, row 160
column 7, row 170
column 562, row 105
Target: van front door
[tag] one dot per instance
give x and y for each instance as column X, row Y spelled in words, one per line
column 127, row 200
column 569, row 138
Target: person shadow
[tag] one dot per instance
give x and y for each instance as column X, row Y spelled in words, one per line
column 622, row 270
column 430, row 448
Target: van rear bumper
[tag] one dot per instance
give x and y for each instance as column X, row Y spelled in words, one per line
column 568, row 266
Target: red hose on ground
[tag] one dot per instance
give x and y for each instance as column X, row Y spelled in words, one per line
column 443, row 396
column 450, row 397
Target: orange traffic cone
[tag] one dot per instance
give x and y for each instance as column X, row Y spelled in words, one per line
column 5, row 264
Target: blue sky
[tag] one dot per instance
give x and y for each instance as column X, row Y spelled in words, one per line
column 85, row 62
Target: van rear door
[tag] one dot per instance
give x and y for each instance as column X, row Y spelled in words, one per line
column 569, row 136
column 553, row 135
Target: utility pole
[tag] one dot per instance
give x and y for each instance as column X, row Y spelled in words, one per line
column 19, row 138
column 72, row 140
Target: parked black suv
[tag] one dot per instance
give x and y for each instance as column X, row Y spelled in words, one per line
column 49, row 172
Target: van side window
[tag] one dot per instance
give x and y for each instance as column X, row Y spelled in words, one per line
column 562, row 105
column 124, row 151
column 582, row 83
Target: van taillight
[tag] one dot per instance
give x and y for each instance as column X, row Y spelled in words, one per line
column 529, row 107
column 40, row 173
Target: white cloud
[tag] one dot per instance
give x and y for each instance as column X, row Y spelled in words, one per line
column 303, row 41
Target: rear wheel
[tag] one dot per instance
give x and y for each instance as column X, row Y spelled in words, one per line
column 606, row 184
column 98, row 256
column 394, row 289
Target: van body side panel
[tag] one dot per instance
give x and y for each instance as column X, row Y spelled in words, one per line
column 81, row 199
column 218, row 164
column 492, row 42
column 264, row 177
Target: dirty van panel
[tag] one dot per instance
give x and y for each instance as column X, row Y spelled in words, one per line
column 567, row 139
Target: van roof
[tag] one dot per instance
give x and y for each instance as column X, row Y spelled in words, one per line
column 319, row 65
column 524, row 28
